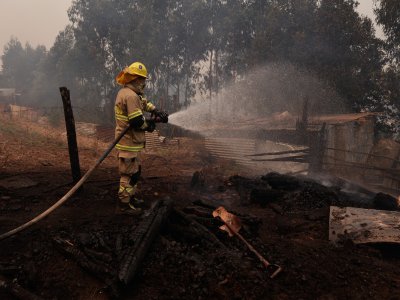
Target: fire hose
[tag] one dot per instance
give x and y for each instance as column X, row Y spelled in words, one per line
column 69, row 193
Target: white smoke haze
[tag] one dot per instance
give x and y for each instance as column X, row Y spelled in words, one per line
column 273, row 88
column 261, row 94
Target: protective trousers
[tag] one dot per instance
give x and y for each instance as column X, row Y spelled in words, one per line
column 129, row 170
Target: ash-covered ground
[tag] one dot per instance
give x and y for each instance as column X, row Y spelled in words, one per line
column 78, row 251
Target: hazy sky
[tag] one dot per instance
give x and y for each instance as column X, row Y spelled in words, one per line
column 39, row 21
column 366, row 8
column 35, row 21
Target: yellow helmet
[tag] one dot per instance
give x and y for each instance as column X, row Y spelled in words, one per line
column 137, row 68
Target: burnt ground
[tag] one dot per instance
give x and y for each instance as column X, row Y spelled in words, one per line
column 284, row 218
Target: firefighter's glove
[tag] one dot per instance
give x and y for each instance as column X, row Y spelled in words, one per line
column 151, row 125
column 160, row 116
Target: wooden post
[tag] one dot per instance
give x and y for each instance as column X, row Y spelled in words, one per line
column 317, row 152
column 302, row 125
column 71, row 135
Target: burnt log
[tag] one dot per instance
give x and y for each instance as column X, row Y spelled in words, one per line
column 204, row 204
column 208, row 222
column 142, row 237
column 199, row 211
column 282, row 182
column 298, row 158
column 241, row 182
column 16, row 290
column 200, row 230
column 98, row 256
column 386, row 202
column 9, row 269
column 96, row 268
column 118, row 246
column 307, row 150
column 266, row 196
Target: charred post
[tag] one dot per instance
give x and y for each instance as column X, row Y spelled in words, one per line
column 302, row 125
column 317, row 152
column 71, row 135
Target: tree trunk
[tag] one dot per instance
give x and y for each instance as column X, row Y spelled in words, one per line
column 186, row 90
column 210, row 81
column 216, row 82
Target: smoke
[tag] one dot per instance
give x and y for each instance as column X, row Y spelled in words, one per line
column 273, row 88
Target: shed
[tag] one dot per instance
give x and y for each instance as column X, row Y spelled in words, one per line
column 7, row 95
column 348, row 139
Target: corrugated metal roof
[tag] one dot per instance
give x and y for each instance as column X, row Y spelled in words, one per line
column 282, row 120
column 341, row 118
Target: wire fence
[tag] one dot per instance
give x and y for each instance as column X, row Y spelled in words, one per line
column 85, row 120
column 377, row 168
column 95, row 125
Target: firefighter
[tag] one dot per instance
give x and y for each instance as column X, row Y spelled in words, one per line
column 130, row 105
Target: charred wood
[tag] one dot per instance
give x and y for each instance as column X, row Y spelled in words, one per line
column 185, row 234
column 297, row 158
column 96, row 255
column 118, row 246
column 98, row 269
column 276, row 208
column 209, row 222
column 266, row 196
column 199, row 211
column 281, row 182
column 71, row 134
column 386, row 202
column 198, row 179
column 142, row 238
column 247, row 183
column 102, row 242
column 16, row 290
column 202, row 203
column 9, row 269
column 281, row 152
column 200, row 229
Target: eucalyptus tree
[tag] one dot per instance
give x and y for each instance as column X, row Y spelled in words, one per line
column 14, row 67
column 20, row 65
column 388, row 16
column 350, row 55
column 189, row 29
column 327, row 37
column 58, row 68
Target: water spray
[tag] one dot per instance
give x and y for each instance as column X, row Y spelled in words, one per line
column 274, row 88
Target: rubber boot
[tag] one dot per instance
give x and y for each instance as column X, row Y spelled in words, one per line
column 128, row 208
column 137, row 202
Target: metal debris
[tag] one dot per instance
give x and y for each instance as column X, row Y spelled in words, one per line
column 363, row 225
column 232, row 226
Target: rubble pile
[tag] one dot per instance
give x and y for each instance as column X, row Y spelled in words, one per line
column 295, row 194
column 178, row 251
